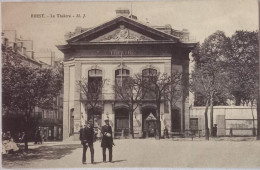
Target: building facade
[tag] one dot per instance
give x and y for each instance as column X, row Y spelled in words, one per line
column 121, row 47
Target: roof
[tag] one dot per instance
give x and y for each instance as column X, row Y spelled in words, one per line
column 130, row 23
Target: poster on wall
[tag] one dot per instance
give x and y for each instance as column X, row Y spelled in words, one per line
column 76, row 125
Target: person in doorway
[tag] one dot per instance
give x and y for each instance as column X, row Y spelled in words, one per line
column 107, row 140
column 87, row 139
column 215, row 129
column 99, row 134
column 166, row 134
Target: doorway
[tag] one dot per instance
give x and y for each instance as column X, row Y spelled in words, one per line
column 176, row 120
column 122, row 120
column 149, row 122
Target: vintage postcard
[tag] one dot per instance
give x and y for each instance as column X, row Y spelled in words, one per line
column 130, row 84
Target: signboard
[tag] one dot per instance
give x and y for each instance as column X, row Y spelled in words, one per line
column 240, row 123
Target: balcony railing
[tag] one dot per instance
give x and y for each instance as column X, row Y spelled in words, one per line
column 113, row 96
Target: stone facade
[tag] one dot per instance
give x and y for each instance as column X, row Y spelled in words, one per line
column 136, row 46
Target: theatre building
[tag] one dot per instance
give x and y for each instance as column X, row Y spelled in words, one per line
column 121, row 47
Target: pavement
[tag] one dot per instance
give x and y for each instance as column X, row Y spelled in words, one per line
column 177, row 153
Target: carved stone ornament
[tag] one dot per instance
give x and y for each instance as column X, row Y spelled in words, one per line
column 123, row 34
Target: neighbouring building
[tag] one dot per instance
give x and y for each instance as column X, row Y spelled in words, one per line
column 49, row 120
column 100, row 52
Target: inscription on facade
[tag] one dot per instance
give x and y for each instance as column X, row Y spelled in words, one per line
column 122, row 52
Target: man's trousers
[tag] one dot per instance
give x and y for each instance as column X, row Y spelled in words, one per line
column 85, row 147
column 104, row 154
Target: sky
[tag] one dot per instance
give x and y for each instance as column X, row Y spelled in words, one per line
column 200, row 17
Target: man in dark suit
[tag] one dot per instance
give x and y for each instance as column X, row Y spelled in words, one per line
column 87, row 139
column 107, row 140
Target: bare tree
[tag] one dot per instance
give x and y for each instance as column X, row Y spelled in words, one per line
column 164, row 87
column 130, row 92
column 91, row 94
column 208, row 86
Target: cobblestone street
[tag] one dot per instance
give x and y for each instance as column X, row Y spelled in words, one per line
column 142, row 153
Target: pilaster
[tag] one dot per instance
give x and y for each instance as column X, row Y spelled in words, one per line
column 77, row 106
column 66, row 103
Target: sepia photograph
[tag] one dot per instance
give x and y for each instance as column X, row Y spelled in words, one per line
column 130, row 84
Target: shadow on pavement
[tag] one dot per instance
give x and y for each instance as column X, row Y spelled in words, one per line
column 42, row 152
column 118, row 161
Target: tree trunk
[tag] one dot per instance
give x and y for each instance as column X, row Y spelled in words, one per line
column 206, row 120
column 253, row 119
column 26, row 129
column 158, row 133
column 131, row 129
column 211, row 115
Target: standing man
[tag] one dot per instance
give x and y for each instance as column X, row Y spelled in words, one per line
column 87, row 139
column 38, row 137
column 107, row 140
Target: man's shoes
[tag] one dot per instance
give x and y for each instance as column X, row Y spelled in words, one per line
column 92, row 162
column 105, row 161
column 111, row 162
column 84, row 163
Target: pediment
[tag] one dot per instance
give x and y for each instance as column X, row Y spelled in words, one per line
column 122, row 29
column 122, row 34
column 151, row 117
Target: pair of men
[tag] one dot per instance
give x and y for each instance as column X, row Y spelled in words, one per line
column 87, row 139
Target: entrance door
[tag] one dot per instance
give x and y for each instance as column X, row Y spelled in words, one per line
column 149, row 122
column 95, row 118
column 176, row 120
column 194, row 124
column 122, row 121
column 150, row 126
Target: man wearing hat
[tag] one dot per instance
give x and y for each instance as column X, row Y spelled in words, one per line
column 107, row 140
column 87, row 139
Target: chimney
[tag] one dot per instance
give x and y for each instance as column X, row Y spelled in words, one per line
column 122, row 12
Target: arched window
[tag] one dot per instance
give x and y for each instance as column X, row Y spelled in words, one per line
column 95, row 73
column 120, row 75
column 148, row 74
column 94, row 80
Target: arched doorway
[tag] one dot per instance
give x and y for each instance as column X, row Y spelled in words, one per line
column 176, row 120
column 95, row 116
column 122, row 120
column 149, row 122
